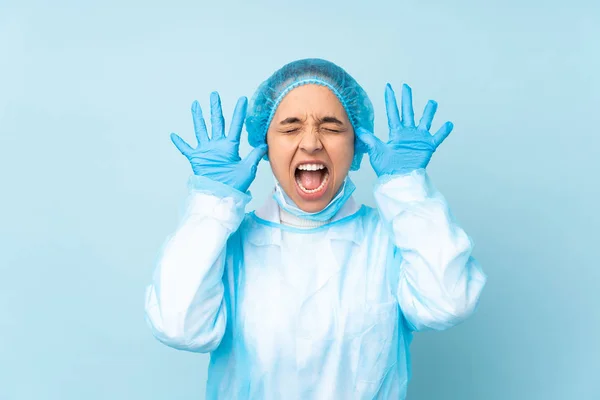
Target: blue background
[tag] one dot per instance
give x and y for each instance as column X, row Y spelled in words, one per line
column 91, row 185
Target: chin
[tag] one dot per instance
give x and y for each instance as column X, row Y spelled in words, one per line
column 313, row 206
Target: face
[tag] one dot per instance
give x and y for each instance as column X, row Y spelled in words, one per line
column 311, row 146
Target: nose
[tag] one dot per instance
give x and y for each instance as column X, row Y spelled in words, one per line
column 311, row 142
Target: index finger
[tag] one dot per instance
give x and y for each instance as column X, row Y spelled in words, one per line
column 237, row 122
column 199, row 124
column 408, row 115
column 391, row 108
column 216, row 117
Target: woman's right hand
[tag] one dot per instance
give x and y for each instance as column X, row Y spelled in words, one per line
column 218, row 158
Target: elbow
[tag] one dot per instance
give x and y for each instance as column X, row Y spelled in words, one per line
column 455, row 313
column 463, row 306
column 459, row 309
column 204, row 339
column 440, row 313
column 438, row 319
column 187, row 331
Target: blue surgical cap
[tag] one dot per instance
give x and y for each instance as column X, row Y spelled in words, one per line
column 271, row 92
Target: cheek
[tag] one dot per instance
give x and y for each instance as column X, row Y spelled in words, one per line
column 341, row 151
column 280, row 156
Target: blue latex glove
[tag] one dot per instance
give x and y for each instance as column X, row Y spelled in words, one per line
column 218, row 158
column 409, row 147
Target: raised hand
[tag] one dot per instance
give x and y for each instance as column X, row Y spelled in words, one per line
column 218, row 157
column 409, row 147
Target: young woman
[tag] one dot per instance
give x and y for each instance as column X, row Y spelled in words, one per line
column 311, row 296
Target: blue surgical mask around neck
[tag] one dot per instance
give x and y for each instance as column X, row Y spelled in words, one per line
column 325, row 214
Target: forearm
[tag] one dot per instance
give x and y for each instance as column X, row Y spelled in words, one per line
column 439, row 282
column 184, row 303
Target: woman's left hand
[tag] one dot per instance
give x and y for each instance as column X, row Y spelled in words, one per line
column 409, row 147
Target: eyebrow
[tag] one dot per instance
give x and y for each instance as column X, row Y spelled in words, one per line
column 330, row 120
column 324, row 120
column 290, row 120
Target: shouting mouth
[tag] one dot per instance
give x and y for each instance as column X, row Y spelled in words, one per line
column 312, row 180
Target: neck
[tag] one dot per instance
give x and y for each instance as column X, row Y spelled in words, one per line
column 296, row 222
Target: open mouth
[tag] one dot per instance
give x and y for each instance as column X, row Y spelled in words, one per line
column 311, row 180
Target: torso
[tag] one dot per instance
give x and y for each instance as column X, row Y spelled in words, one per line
column 313, row 314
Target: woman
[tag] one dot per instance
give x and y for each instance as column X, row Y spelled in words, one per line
column 312, row 296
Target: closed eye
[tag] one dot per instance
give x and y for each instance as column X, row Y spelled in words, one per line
column 331, row 124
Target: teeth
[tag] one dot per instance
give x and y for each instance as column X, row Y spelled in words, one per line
column 311, row 167
column 321, row 186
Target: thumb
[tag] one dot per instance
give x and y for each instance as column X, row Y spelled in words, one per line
column 369, row 139
column 181, row 145
column 442, row 133
column 255, row 155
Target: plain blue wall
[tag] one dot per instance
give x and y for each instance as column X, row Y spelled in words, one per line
column 91, row 185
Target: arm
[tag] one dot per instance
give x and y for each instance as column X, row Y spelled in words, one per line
column 439, row 283
column 184, row 304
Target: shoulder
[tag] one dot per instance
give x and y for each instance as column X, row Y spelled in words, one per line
column 369, row 215
column 254, row 230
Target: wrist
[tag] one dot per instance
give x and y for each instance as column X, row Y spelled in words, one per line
column 408, row 186
column 206, row 185
column 386, row 174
